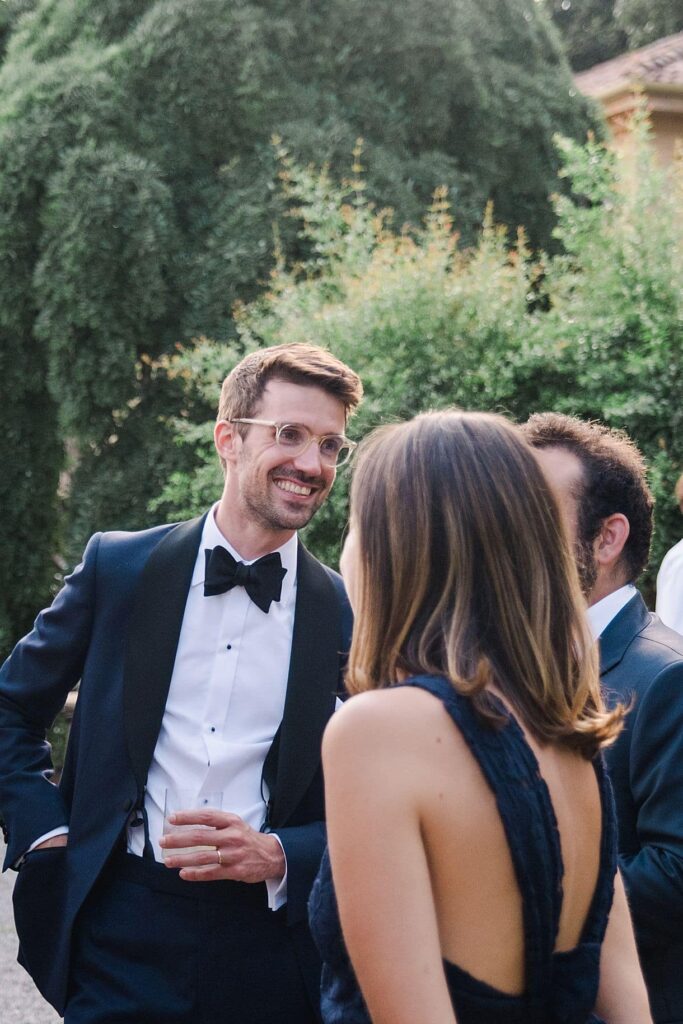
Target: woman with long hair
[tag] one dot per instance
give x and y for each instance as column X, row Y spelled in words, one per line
column 471, row 832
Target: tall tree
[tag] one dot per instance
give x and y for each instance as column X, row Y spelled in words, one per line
column 10, row 12
column 589, row 30
column 139, row 188
column 597, row 30
column 643, row 21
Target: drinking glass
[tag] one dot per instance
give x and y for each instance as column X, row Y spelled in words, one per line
column 188, row 800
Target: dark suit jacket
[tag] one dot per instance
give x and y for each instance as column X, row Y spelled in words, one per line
column 642, row 658
column 115, row 626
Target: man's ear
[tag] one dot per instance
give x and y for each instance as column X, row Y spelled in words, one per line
column 227, row 440
column 609, row 543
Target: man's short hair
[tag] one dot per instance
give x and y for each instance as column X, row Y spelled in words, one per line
column 296, row 363
column 614, row 479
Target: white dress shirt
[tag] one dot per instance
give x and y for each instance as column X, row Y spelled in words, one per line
column 225, row 701
column 669, row 604
column 602, row 612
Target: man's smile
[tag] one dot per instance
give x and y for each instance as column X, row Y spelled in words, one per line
column 289, row 485
column 294, row 484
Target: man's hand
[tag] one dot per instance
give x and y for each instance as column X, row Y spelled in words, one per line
column 237, row 851
column 55, row 841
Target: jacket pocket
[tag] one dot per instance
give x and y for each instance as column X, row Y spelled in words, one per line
column 39, row 898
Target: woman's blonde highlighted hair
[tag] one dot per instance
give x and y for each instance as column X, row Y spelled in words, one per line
column 465, row 571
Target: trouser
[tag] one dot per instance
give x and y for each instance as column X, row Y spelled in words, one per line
column 150, row 948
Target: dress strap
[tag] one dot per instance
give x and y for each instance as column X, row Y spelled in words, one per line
column 523, row 801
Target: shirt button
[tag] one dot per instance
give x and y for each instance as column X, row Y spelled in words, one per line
column 213, row 728
column 228, row 647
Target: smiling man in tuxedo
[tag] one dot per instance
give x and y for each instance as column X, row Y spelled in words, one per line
column 209, row 656
column 599, row 477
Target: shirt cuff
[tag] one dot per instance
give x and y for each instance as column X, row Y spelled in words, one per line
column 62, row 830
column 277, row 890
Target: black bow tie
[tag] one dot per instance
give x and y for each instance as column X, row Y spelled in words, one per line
column 262, row 580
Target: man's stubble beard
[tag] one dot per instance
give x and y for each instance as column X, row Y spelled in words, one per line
column 267, row 515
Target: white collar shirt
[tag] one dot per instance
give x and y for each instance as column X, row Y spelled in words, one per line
column 226, row 697
column 669, row 604
column 602, row 612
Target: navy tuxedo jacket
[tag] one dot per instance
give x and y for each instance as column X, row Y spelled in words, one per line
column 115, row 627
column 641, row 658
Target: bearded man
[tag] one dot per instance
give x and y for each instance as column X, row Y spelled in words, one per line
column 599, row 478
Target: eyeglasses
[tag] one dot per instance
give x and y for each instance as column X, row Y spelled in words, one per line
column 294, row 438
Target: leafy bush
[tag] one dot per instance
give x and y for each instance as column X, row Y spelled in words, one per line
column 596, row 331
column 612, row 340
column 138, row 196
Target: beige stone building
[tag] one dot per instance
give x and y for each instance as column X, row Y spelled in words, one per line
column 653, row 73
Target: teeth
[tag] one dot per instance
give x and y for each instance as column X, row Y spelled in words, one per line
column 288, row 485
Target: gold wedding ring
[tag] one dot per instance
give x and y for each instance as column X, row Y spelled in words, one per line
column 220, row 859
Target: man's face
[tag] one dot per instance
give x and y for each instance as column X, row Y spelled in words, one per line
column 278, row 491
column 564, row 472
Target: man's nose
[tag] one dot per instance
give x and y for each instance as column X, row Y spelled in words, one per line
column 309, row 461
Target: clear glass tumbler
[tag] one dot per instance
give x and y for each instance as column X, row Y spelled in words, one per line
column 187, row 800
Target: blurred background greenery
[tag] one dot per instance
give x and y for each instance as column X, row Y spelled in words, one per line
column 182, row 180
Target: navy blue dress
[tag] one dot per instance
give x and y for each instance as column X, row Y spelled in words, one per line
column 561, row 988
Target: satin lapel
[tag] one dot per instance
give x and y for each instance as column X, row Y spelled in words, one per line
column 156, row 618
column 633, row 617
column 311, row 687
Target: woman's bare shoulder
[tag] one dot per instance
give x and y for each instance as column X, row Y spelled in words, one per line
column 398, row 717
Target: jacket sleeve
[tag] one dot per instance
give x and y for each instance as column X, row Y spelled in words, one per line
column 654, row 875
column 34, row 683
column 304, row 846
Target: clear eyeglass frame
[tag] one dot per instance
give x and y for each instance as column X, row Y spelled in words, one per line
column 295, row 438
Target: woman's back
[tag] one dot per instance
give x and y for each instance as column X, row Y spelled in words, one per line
column 476, row 890
column 492, row 857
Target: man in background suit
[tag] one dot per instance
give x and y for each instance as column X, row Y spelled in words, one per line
column 599, row 477
column 209, row 656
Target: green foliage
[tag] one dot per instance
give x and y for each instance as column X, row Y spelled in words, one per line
column 644, row 21
column 54, row 26
column 589, row 30
column 421, row 320
column 139, row 199
column 101, row 282
column 10, row 12
column 597, row 30
column 113, row 479
column 614, row 333
column 30, row 455
column 199, row 371
column 596, row 331
column 30, row 446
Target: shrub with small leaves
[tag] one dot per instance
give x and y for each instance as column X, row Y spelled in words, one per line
column 595, row 331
